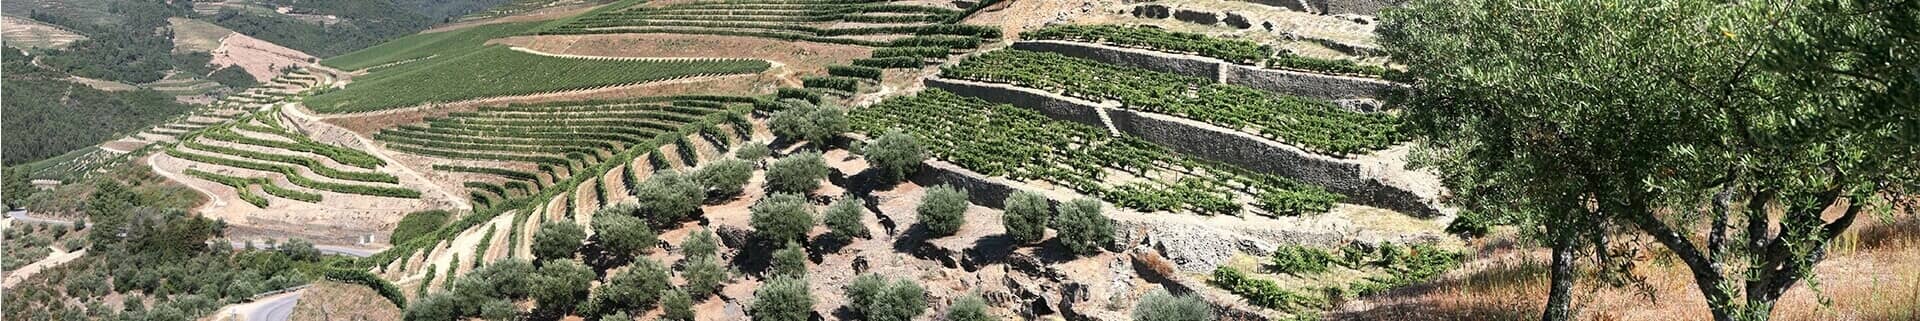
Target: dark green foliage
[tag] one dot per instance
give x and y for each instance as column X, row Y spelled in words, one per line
column 1083, row 229
column 417, row 46
column 362, row 277
column 676, row 306
column 418, row 224
column 700, row 242
column 891, row 62
column 48, row 115
column 814, row 124
column 1026, row 216
column 484, row 73
column 782, row 217
column 914, row 52
column 1470, row 224
column 896, row 153
column 668, row 197
column 233, row 77
column 847, row 84
column 798, row 173
column 855, row 71
column 487, row 292
column 1263, row 292
column 943, row 210
column 790, row 261
column 365, row 23
column 874, row 298
column 969, row 307
column 752, row 152
column 782, row 299
column 1405, row 265
column 725, row 178
column 704, row 275
column 557, row 240
column 636, row 289
column 844, row 218
column 561, row 285
column 1158, row 305
column 1300, row 260
column 799, row 93
column 622, row 234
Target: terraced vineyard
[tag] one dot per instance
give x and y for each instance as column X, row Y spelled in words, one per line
column 425, row 45
column 256, row 151
column 876, row 23
column 1312, row 124
column 1233, row 50
column 502, row 71
column 1018, row 143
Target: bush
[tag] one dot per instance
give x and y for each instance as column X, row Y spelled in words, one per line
column 700, row 243
column 704, row 276
column 815, row 124
column 624, row 235
column 798, row 173
column 782, row 299
column 725, row 178
column 362, row 277
column 753, row 151
column 875, row 299
column 782, row 217
column 896, row 154
column 969, row 308
column 844, row 218
column 1083, row 229
column 561, row 285
column 557, row 240
column 668, row 197
column 676, row 306
column 943, row 210
column 1026, row 217
column 1158, row 305
column 637, row 288
column 790, row 261
column 1299, row 260
column 417, row 224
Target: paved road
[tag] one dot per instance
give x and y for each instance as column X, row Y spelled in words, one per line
column 273, row 308
column 22, row 216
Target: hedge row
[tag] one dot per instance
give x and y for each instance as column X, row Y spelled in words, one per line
column 294, row 176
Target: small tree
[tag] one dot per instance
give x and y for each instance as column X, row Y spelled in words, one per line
column 726, row 178
column 704, row 276
column 782, row 217
column 943, row 210
column 1083, row 229
column 844, row 218
column 624, row 235
column 676, row 306
column 790, row 261
column 896, row 154
column 1026, row 216
column 815, row 124
column 875, row 299
column 969, row 308
column 668, row 197
column 700, row 243
column 1158, row 305
column 561, row 285
column 752, row 151
column 782, row 299
column 637, row 288
column 798, row 173
column 557, row 240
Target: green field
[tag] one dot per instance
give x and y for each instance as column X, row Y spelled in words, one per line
column 500, row 71
column 426, row 45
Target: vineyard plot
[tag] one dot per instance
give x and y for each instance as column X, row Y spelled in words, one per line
column 877, row 23
column 501, row 71
column 265, row 162
column 1021, row 144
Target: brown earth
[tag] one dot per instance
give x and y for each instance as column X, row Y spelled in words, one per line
column 801, row 58
column 259, row 58
column 328, row 300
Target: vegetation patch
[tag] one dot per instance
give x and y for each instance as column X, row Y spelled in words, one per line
column 500, row 71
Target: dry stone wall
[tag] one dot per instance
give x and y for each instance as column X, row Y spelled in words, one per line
column 1289, row 82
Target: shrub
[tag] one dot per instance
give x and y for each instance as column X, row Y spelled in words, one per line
column 1026, row 216
column 725, row 178
column 700, row 243
column 782, row 217
column 753, row 151
column 790, row 261
column 362, row 277
column 896, row 154
column 624, row 235
column 844, row 218
column 617, row 316
column 815, row 124
column 676, row 306
column 782, row 299
column 417, row 224
column 557, row 240
column 969, row 308
column 668, row 197
column 1299, row 260
column 704, row 276
column 943, row 210
column 875, row 299
column 798, row 173
column 561, row 285
column 1262, row 292
column 1083, row 229
column 1158, row 305
column 855, row 71
column 637, row 288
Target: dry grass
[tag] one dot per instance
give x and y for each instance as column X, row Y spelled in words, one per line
column 328, row 300
column 1870, row 275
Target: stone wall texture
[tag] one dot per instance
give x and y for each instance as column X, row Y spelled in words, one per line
column 1359, row 7
column 1058, row 107
column 1280, row 81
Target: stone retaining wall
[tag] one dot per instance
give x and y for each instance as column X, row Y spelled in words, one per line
column 1209, row 142
column 1305, row 84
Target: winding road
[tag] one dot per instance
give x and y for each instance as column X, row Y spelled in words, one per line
column 278, row 307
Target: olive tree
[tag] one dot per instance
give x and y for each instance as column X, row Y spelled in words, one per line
column 789, row 261
column 1744, row 120
column 557, row 240
column 1026, row 216
column 725, row 178
column 1158, row 305
column 561, row 285
column 782, row 217
column 875, row 298
column 969, row 307
column 798, row 173
column 623, row 235
column 943, row 210
column 667, row 197
column 844, row 218
column 815, row 124
column 782, row 299
column 1083, row 229
column 895, row 153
